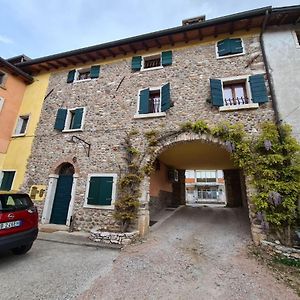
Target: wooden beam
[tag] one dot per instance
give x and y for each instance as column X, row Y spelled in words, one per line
column 62, row 63
column 297, row 21
column 171, row 40
column 158, row 44
column 100, row 54
column 231, row 28
column 185, row 37
column 89, row 56
column 132, row 48
column 112, row 53
column 45, row 68
column 145, row 45
column 121, row 49
column 80, row 59
column 215, row 32
column 200, row 35
column 71, row 61
column 248, row 25
column 52, row 65
column 283, row 19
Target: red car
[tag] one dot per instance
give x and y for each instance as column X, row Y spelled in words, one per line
column 18, row 222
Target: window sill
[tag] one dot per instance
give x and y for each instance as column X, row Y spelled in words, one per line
column 83, row 80
column 150, row 115
column 72, row 130
column 99, row 206
column 18, row 135
column 230, row 55
column 152, row 69
column 238, row 107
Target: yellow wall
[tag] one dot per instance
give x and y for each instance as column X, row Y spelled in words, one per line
column 20, row 147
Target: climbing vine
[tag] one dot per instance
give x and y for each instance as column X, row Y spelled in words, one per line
column 271, row 160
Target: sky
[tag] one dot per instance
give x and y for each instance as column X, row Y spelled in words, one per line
column 38, row 28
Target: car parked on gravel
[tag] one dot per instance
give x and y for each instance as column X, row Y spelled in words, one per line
column 18, row 222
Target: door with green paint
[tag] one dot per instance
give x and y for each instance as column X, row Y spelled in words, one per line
column 62, row 199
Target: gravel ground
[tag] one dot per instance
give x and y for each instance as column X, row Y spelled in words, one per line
column 52, row 271
column 199, row 253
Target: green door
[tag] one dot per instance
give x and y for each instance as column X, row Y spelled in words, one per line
column 62, row 199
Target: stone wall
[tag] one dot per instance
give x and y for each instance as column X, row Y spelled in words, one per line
column 283, row 251
column 110, row 110
column 159, row 203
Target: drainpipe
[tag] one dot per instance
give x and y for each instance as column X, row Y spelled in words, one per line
column 272, row 92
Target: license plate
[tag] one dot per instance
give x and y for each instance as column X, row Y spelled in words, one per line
column 11, row 224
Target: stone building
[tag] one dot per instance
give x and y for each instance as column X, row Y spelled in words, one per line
column 211, row 70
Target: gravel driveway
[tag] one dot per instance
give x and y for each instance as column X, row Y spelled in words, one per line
column 198, row 253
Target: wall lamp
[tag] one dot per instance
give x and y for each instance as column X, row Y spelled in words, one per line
column 87, row 146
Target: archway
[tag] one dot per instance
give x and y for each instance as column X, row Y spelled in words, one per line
column 176, row 154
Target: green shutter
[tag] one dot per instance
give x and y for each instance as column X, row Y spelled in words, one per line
column 144, row 101
column 165, row 97
column 258, row 88
column 7, row 180
column 224, row 47
column 71, row 76
column 77, row 118
column 136, row 63
column 236, row 46
column 166, row 58
column 100, row 191
column 95, row 71
column 60, row 119
column 216, row 92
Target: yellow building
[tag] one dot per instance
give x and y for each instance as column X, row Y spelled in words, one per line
column 19, row 118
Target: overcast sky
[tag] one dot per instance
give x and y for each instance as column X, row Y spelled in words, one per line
column 43, row 27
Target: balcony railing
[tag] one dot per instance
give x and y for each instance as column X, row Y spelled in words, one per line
column 236, row 101
column 154, row 105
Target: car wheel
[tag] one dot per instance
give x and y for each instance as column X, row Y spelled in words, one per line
column 21, row 250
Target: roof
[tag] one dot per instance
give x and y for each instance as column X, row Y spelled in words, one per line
column 168, row 37
column 15, row 70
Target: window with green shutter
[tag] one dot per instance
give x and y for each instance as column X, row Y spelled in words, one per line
column 229, row 47
column 101, row 190
column 7, row 180
column 60, row 119
column 136, row 63
column 84, row 74
column 258, row 88
column 69, row 119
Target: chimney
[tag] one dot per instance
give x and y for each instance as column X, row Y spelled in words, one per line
column 194, row 20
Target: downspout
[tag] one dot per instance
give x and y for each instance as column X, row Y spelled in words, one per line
column 272, row 92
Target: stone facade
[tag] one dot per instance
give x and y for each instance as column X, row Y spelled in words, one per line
column 111, row 103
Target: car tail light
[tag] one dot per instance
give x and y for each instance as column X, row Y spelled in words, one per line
column 32, row 209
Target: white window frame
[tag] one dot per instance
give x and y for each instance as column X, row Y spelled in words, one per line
column 19, row 126
column 229, row 55
column 113, row 193
column 8, row 170
column 2, row 100
column 297, row 41
column 250, row 105
column 149, row 115
column 153, row 68
column 83, row 70
column 68, row 120
column 2, row 84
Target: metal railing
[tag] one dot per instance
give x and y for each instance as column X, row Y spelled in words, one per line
column 236, row 101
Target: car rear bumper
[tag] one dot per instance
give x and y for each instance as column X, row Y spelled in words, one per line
column 18, row 239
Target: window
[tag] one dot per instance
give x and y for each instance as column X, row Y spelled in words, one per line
column 206, row 176
column 69, row 119
column 83, row 74
column 155, row 101
column 101, row 190
column 22, row 125
column 7, row 178
column 229, row 47
column 238, row 93
column 2, row 79
column 151, row 61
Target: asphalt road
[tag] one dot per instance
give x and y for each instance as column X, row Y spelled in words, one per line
column 52, row 271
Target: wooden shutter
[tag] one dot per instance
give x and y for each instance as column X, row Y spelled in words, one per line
column 77, row 118
column 236, row 46
column 100, row 191
column 166, row 58
column 258, row 88
column 71, row 76
column 95, row 71
column 224, row 47
column 216, row 92
column 165, row 97
column 60, row 119
column 144, row 101
column 7, row 180
column 136, row 63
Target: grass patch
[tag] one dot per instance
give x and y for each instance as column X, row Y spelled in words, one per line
column 287, row 261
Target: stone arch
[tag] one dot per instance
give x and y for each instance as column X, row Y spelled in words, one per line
column 63, row 161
